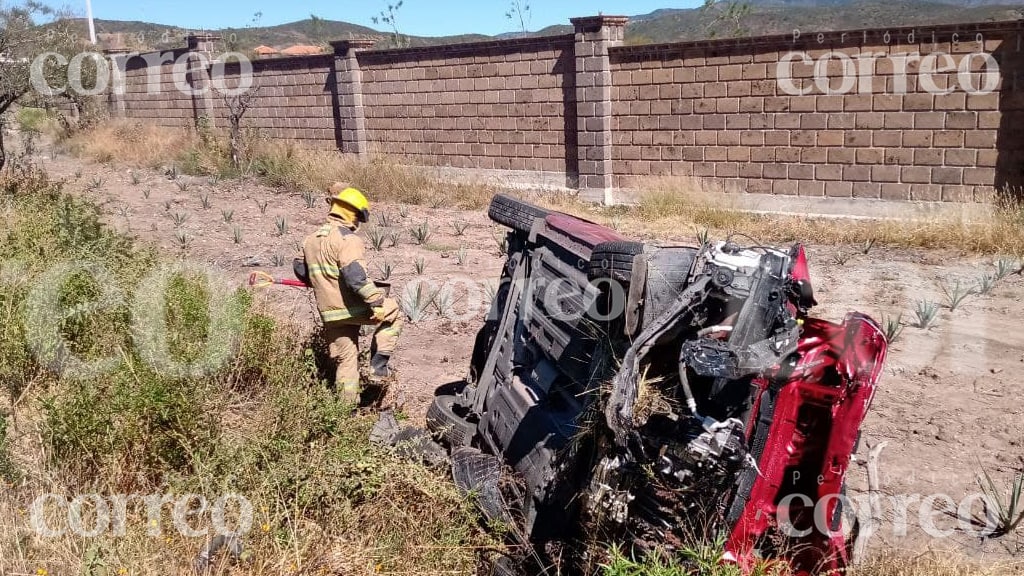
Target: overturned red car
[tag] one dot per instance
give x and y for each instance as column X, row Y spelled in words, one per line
column 657, row 396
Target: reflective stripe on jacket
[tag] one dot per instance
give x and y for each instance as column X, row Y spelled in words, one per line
column 335, row 260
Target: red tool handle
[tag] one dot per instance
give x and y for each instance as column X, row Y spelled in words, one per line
column 262, row 279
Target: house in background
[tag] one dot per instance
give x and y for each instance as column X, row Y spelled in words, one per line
column 265, row 52
column 302, row 50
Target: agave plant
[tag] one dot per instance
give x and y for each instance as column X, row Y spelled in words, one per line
column 376, row 235
column 1004, row 513
column 892, row 327
column 955, row 294
column 415, row 301
column 926, row 311
column 460, row 227
column 421, row 234
column 386, row 269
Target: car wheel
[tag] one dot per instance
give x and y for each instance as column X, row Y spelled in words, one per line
column 446, row 425
column 514, row 213
column 614, row 260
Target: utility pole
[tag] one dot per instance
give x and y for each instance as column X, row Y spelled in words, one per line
column 92, row 27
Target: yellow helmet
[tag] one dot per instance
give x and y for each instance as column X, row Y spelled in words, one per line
column 342, row 195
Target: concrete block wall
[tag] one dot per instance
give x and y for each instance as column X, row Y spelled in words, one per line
column 781, row 115
column 294, row 100
column 717, row 111
column 492, row 105
column 163, row 104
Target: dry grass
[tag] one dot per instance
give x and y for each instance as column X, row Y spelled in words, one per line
column 291, row 166
column 933, row 564
column 677, row 209
column 284, row 164
column 131, row 143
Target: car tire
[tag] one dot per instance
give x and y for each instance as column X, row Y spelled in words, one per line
column 514, row 213
column 446, row 425
column 614, row 260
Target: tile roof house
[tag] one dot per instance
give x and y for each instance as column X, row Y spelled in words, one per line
column 265, row 51
column 302, row 50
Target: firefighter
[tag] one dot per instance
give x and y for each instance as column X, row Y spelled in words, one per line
column 347, row 300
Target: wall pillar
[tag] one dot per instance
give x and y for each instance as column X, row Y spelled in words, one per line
column 350, row 116
column 201, row 49
column 594, row 36
column 118, row 58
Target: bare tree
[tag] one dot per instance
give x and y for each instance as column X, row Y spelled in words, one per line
column 520, row 10
column 22, row 39
column 390, row 17
column 238, row 105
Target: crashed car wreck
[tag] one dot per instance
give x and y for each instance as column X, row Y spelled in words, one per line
column 650, row 395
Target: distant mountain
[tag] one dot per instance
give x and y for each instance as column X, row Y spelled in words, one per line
column 666, row 25
column 149, row 36
column 767, row 17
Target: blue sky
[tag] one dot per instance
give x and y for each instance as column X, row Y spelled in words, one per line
column 416, row 17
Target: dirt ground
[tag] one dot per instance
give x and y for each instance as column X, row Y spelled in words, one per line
column 950, row 403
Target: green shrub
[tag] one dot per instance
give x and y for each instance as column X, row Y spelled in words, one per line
column 263, row 423
column 32, row 119
column 695, row 559
column 8, row 471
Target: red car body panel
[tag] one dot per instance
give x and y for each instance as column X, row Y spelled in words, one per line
column 585, row 232
column 818, row 412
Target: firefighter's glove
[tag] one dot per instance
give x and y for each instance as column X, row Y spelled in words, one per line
column 386, row 310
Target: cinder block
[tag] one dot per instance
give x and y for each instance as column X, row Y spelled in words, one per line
column 915, row 174
column 979, row 176
column 980, row 139
column 856, row 173
column 948, row 138
column 828, row 172
column 947, row 175
column 811, row 188
column 899, row 120
column 716, row 154
column 886, row 138
column 882, row 173
column 786, row 187
column 926, row 192
column 866, row 190
column 928, row 157
column 801, row 171
column 957, row 193
column 775, row 171
column 839, row 189
column 830, row 137
column 918, row 102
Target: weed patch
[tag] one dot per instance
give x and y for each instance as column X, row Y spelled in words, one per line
column 260, row 422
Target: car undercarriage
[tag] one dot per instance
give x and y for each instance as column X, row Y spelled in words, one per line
column 653, row 396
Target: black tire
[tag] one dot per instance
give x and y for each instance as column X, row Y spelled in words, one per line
column 446, row 425
column 614, row 260
column 514, row 213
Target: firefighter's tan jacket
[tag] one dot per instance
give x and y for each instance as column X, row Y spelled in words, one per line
column 335, row 262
